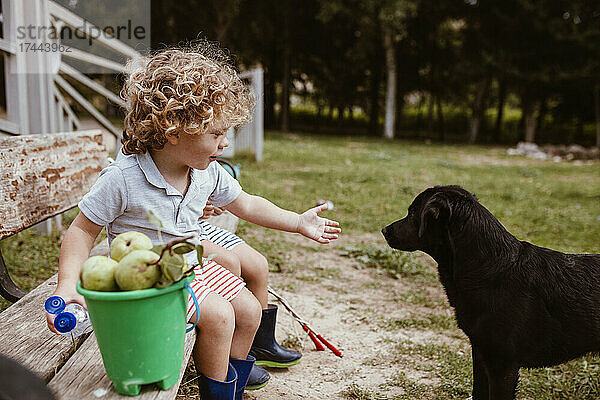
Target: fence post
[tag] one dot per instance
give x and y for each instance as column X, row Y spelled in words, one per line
column 258, row 130
column 15, row 77
column 38, row 96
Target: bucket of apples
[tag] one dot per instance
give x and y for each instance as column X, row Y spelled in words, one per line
column 137, row 300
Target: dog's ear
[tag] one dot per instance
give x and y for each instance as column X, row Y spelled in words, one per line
column 437, row 207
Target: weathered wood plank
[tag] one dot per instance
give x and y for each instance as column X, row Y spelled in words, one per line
column 84, row 374
column 24, row 334
column 44, row 175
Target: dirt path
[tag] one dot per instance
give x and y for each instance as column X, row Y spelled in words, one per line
column 349, row 305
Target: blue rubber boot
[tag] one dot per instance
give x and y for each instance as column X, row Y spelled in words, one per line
column 211, row 389
column 243, row 368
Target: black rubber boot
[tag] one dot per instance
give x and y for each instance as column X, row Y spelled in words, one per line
column 258, row 378
column 265, row 348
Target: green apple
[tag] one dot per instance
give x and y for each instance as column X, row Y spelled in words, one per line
column 97, row 273
column 127, row 242
column 137, row 270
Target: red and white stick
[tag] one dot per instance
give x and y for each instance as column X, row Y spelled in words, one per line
column 312, row 334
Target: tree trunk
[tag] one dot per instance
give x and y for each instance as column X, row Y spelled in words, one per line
column 285, row 80
column 529, row 114
column 541, row 115
column 597, row 111
column 477, row 110
column 390, row 94
column 474, row 124
column 502, row 90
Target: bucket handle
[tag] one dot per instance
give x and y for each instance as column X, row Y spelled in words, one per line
column 189, row 289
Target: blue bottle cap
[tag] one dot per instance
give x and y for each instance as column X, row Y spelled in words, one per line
column 64, row 322
column 54, row 305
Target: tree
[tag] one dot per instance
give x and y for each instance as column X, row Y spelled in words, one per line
column 392, row 16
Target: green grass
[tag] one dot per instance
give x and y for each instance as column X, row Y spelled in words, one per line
column 433, row 322
column 372, row 182
column 32, row 258
column 355, row 392
column 451, row 366
column 396, row 264
column 448, row 367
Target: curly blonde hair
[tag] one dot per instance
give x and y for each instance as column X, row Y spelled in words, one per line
column 181, row 90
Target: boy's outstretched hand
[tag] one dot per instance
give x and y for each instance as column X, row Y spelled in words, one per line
column 319, row 229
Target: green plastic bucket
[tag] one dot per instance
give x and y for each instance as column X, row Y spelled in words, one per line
column 140, row 333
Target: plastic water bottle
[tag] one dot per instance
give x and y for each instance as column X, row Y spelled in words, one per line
column 71, row 319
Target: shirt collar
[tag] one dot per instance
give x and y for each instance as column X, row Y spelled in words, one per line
column 153, row 175
column 198, row 176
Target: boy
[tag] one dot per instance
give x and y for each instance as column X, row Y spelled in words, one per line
column 180, row 104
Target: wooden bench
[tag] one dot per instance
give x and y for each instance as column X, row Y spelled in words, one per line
column 43, row 176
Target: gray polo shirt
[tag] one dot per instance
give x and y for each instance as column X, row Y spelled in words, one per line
column 132, row 185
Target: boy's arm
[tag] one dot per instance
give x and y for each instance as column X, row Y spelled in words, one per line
column 262, row 212
column 74, row 250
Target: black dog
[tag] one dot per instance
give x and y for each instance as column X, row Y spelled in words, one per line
column 520, row 305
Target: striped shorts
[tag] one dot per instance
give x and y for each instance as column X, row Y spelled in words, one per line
column 212, row 277
column 219, row 236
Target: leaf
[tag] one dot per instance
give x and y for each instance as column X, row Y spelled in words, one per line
column 158, row 248
column 199, row 252
column 172, row 266
column 153, row 219
column 183, row 248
